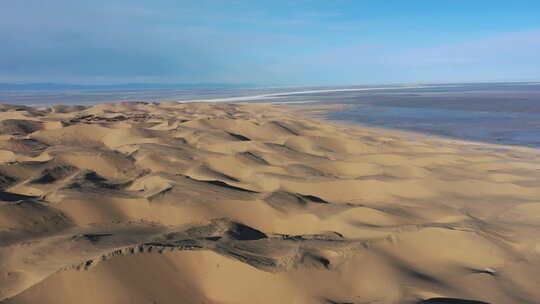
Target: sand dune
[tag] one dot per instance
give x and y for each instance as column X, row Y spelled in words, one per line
column 243, row 203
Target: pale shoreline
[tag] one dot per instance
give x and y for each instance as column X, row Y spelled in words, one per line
column 257, row 203
column 285, row 94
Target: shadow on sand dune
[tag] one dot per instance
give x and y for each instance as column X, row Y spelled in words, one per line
column 450, row 301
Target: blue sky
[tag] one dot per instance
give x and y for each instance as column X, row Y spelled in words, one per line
column 303, row 42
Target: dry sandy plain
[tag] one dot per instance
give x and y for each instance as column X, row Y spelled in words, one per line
column 223, row 203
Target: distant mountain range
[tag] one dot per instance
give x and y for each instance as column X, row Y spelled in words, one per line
column 126, row 86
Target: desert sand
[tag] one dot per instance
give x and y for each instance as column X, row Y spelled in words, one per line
column 224, row 203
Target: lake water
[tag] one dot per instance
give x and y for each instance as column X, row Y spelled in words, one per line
column 503, row 113
column 510, row 128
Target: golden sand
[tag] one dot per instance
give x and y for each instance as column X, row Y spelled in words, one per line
column 254, row 203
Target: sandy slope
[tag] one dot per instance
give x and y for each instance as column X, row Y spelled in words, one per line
column 245, row 203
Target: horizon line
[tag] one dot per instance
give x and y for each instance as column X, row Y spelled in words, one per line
column 160, row 85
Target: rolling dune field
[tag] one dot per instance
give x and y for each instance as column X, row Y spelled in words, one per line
column 223, row 203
